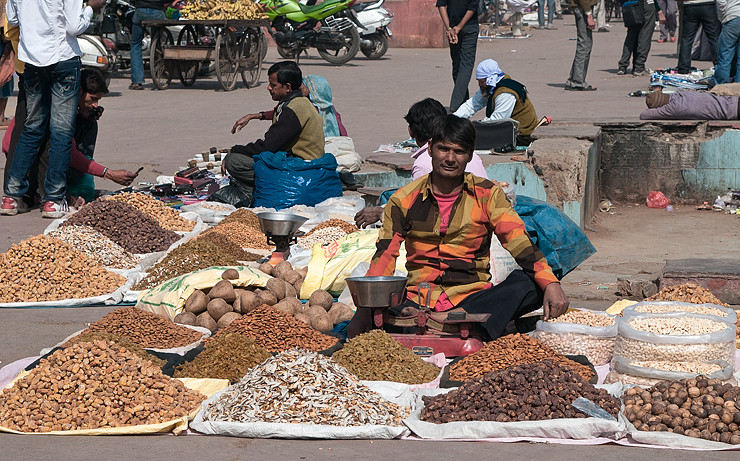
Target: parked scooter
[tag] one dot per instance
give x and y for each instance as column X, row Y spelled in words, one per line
column 375, row 19
column 98, row 52
column 294, row 28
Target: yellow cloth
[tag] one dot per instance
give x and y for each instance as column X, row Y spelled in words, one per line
column 12, row 34
column 619, row 306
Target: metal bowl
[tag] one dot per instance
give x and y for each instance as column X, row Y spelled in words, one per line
column 383, row 291
column 280, row 224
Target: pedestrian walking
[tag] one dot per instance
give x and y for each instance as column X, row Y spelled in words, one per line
column 460, row 20
column 585, row 24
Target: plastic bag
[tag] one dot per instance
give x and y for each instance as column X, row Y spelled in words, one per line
column 643, row 346
column 596, row 343
column 502, row 263
column 283, row 181
column 632, row 367
column 210, row 212
column 343, row 150
column 563, row 243
column 345, row 207
column 676, row 306
column 656, row 199
column 233, row 195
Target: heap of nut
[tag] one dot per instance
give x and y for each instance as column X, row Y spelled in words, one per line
column 298, row 386
column 532, row 392
column 692, row 308
column 508, row 351
column 146, row 329
column 97, row 247
column 376, row 356
column 45, row 269
column 165, row 216
column 597, row 346
column 93, row 385
column 327, row 232
column 90, row 336
column 228, row 356
column 689, row 293
column 700, row 408
column 241, row 234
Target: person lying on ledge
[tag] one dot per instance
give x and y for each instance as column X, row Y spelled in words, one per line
column 447, row 220
column 690, row 105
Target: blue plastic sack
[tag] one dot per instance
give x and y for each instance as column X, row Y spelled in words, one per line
column 282, row 181
column 561, row 241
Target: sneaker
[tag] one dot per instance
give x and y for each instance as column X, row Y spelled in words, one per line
column 673, row 39
column 661, row 40
column 12, row 206
column 621, row 71
column 54, row 210
column 642, row 73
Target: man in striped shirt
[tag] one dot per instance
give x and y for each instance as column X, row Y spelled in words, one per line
column 447, row 219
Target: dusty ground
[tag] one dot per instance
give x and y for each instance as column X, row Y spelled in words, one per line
column 162, row 129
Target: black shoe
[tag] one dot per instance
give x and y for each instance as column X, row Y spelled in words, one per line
column 580, row 88
column 349, row 182
column 136, row 86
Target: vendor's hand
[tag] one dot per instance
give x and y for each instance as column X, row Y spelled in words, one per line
column 661, row 17
column 122, row 177
column 590, row 23
column 555, row 303
column 242, row 122
column 368, row 216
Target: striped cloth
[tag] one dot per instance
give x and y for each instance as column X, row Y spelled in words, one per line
column 455, row 263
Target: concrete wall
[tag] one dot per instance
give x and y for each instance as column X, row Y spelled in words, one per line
column 416, row 24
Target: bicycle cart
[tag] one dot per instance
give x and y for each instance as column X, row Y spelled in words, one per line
column 235, row 50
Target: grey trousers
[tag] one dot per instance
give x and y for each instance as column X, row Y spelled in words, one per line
column 463, row 62
column 638, row 40
column 583, row 51
column 241, row 169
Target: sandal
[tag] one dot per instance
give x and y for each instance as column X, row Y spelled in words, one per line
column 580, row 88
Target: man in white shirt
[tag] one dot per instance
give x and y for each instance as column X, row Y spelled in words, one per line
column 48, row 46
column 502, row 97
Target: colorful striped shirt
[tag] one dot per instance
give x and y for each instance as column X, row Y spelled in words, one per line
column 457, row 262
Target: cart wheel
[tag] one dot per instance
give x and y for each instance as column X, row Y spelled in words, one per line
column 187, row 70
column 227, row 59
column 250, row 63
column 160, row 69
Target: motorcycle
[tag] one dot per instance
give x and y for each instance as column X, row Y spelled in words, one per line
column 375, row 19
column 330, row 27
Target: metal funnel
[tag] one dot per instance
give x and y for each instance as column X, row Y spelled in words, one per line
column 382, row 291
column 280, row 224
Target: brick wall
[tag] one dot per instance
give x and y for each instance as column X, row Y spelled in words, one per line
column 416, row 24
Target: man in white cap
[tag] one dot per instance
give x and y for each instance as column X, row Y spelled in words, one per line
column 502, row 97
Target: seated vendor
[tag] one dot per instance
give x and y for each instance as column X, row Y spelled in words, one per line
column 446, row 220
column 502, row 97
column 297, row 128
column 690, row 105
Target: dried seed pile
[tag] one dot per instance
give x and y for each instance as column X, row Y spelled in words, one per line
column 94, row 385
column 44, row 269
column 190, row 256
column 508, row 351
column 228, row 247
column 277, row 331
column 243, row 216
column 587, row 318
column 335, row 223
column 324, row 236
column 700, row 408
column 699, row 368
column 228, row 356
column 132, row 347
column 243, row 235
column 376, row 356
column 303, row 387
column 165, row 216
column 97, row 247
column 697, row 309
column 677, row 326
column 688, row 293
column 532, row 392
column 135, row 231
column 145, row 329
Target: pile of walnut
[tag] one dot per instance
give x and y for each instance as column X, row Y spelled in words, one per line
column 701, row 408
column 93, row 385
column 218, row 307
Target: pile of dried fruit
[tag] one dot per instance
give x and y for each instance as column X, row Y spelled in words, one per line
column 135, row 231
column 688, row 293
column 97, row 247
column 376, row 356
column 531, row 392
column 228, row 247
column 245, row 217
column 165, row 216
column 145, row 329
column 94, row 385
column 90, row 336
column 228, row 356
column 303, row 387
column 508, row 351
column 243, row 235
column 44, row 269
column 700, row 408
column 276, row 331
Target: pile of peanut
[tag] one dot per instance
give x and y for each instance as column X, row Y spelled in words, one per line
column 44, row 269
column 94, row 385
column 97, row 247
column 243, row 216
column 165, row 216
column 587, row 318
column 696, row 309
column 688, row 293
column 145, row 329
column 243, row 235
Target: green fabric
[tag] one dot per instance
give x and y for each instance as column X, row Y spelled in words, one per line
column 84, row 187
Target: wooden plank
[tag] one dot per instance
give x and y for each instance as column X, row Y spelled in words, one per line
column 190, row 53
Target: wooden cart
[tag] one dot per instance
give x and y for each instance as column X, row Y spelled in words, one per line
column 237, row 49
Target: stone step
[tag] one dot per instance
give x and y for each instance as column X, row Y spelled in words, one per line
column 720, row 276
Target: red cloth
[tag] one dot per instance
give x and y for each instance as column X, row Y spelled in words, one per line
column 445, row 202
column 78, row 161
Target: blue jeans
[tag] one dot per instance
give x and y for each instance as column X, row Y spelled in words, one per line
column 541, row 11
column 51, row 100
column 727, row 48
column 137, row 35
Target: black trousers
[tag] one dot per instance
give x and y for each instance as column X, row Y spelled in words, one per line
column 638, row 40
column 693, row 16
column 463, row 63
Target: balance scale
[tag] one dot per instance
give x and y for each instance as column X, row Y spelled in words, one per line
column 447, row 332
column 280, row 230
